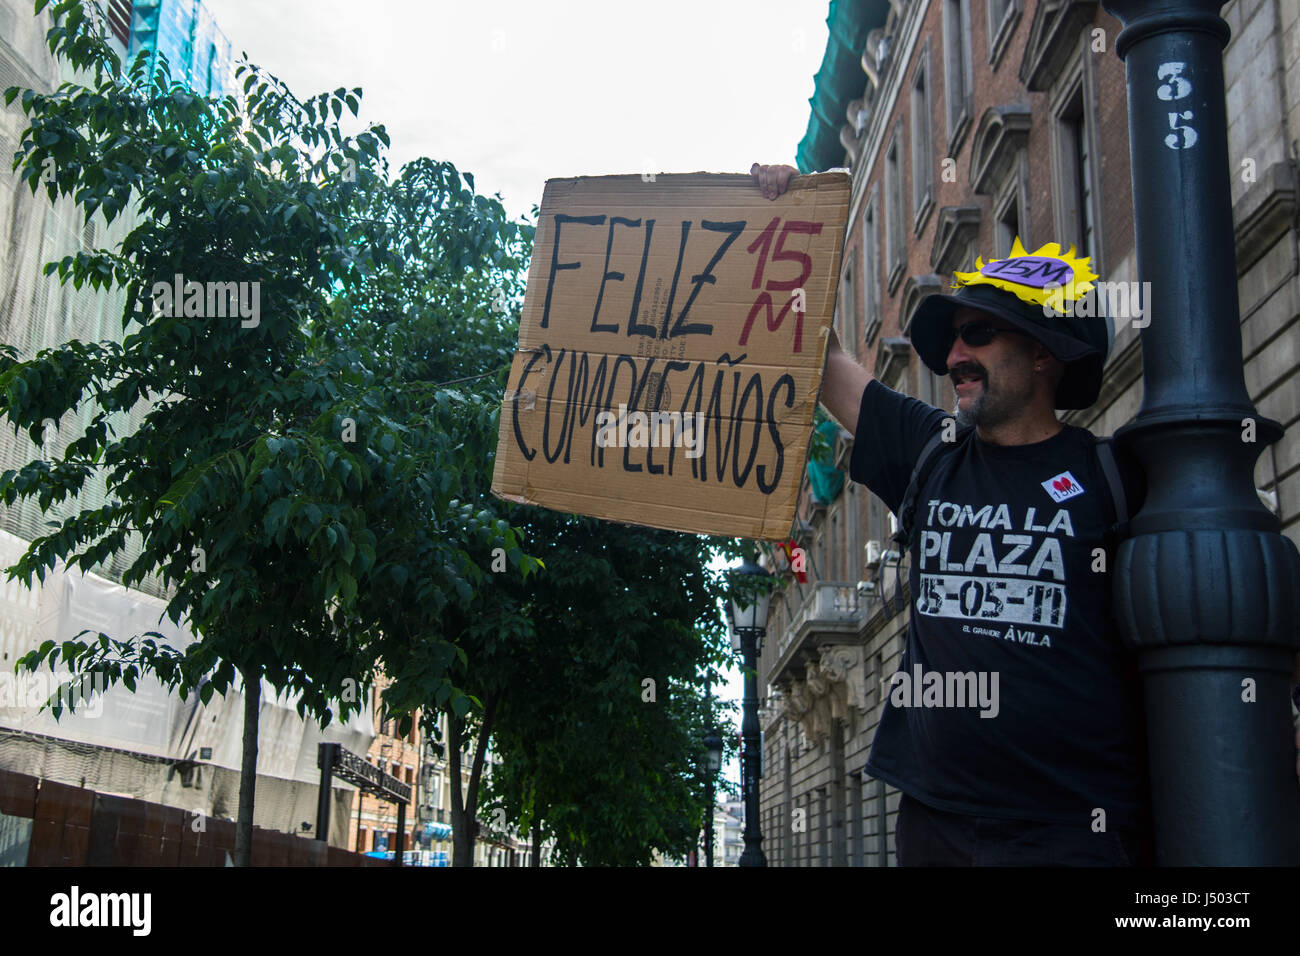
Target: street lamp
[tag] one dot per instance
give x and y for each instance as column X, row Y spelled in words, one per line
column 1205, row 588
column 747, row 617
column 713, row 763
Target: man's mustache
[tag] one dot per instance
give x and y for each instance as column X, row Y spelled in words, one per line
column 966, row 368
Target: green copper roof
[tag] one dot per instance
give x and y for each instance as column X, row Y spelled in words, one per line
column 839, row 81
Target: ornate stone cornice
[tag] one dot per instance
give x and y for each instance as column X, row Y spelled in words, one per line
column 798, row 701
column 872, row 65
column 834, row 683
column 845, row 665
column 843, row 449
column 1052, row 36
column 892, row 353
column 1002, row 130
column 811, row 702
column 849, row 140
column 816, row 682
column 915, row 289
column 957, row 226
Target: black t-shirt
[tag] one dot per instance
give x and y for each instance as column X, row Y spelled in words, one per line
column 1015, row 697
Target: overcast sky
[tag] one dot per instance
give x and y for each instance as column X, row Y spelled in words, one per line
column 521, row 91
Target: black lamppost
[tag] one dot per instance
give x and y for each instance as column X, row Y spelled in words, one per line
column 1207, row 589
column 713, row 763
column 748, row 620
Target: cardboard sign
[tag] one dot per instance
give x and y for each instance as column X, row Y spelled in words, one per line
column 671, row 350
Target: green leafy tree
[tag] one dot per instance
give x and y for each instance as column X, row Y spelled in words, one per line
column 599, row 710
column 445, row 313
column 272, row 474
column 614, row 774
column 448, row 314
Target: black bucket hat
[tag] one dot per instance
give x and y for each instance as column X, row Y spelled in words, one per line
column 1082, row 343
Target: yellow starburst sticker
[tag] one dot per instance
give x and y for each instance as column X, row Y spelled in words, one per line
column 1047, row 276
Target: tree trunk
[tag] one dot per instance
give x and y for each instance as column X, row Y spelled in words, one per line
column 464, row 810
column 462, row 841
column 537, row 843
column 248, row 767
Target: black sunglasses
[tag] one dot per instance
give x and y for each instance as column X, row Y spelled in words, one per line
column 978, row 333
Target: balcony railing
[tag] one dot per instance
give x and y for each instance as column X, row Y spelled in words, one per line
column 835, row 606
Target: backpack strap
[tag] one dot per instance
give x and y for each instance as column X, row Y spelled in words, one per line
column 1119, row 498
column 902, row 538
column 907, row 508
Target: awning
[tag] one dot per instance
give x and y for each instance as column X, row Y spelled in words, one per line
column 839, row 81
column 826, row 480
column 437, row 831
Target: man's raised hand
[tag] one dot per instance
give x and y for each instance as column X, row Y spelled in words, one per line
column 772, row 180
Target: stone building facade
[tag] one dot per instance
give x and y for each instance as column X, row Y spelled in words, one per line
column 977, row 123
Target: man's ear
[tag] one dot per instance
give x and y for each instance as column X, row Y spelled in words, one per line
column 1048, row 364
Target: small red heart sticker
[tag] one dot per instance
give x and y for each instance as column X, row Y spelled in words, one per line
column 1061, row 484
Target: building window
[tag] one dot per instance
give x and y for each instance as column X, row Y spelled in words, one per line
column 810, row 822
column 1079, row 182
column 968, row 258
column 1075, row 167
column 857, row 853
column 824, row 827
column 876, row 519
column 1003, row 17
column 848, row 311
column 922, row 144
column 871, row 271
column 894, row 243
column 836, row 541
column 1007, row 226
column 957, row 71
column 882, row 825
column 853, row 533
column 1075, row 146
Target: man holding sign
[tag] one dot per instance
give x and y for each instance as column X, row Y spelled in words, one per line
column 1009, row 516
column 1011, row 519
